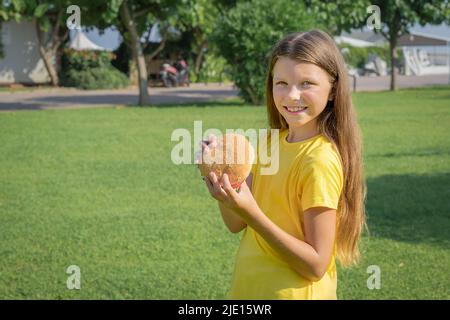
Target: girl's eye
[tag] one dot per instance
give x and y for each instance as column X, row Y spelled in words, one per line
column 280, row 83
column 306, row 83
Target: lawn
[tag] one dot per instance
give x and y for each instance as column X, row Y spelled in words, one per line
column 96, row 188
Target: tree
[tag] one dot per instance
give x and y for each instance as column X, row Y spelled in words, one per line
column 399, row 16
column 132, row 18
column 128, row 19
column 396, row 17
column 198, row 17
column 164, row 32
column 51, row 32
column 246, row 33
column 167, row 23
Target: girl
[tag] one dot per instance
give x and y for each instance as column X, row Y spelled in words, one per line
column 311, row 211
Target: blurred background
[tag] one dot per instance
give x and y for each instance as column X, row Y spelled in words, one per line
column 144, row 44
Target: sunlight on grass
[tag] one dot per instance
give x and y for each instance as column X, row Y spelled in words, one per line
column 96, row 188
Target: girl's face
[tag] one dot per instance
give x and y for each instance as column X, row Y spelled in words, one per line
column 300, row 92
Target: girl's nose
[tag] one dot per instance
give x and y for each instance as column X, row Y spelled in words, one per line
column 294, row 93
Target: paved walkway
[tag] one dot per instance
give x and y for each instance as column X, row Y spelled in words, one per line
column 66, row 98
column 383, row 83
column 69, row 98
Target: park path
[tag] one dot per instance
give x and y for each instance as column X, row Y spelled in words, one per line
column 67, row 98
column 383, row 82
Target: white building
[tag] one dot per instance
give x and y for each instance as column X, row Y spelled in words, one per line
column 426, row 50
column 21, row 61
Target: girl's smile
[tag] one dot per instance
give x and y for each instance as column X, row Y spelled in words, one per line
column 295, row 110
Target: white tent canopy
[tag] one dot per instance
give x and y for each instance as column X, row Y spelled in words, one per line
column 81, row 42
column 354, row 42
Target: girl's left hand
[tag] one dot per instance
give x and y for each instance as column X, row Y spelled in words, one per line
column 242, row 202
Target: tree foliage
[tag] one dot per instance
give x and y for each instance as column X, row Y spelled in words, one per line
column 246, row 34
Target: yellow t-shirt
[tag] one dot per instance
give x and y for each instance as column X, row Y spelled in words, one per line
column 309, row 175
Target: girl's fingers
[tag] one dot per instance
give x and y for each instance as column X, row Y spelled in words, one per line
column 214, row 181
column 217, row 186
column 211, row 189
column 227, row 186
column 218, row 192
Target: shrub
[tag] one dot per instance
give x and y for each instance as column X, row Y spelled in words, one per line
column 246, row 34
column 214, row 69
column 95, row 78
column 82, row 60
column 357, row 57
column 90, row 69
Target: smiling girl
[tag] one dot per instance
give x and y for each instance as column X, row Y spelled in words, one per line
column 311, row 212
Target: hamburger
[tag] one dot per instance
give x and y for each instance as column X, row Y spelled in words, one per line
column 232, row 154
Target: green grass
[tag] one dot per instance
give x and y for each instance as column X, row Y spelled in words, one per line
column 96, row 188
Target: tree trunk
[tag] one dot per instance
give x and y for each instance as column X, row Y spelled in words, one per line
column 134, row 78
column 393, row 56
column 149, row 58
column 47, row 56
column 136, row 50
column 199, row 59
column 253, row 97
column 161, row 46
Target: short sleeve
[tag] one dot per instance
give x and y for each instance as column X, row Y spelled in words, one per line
column 321, row 181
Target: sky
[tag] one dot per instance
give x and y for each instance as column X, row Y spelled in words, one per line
column 110, row 39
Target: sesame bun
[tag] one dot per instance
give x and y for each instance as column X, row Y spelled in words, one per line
column 232, row 155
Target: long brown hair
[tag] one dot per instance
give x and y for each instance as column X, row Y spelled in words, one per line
column 337, row 122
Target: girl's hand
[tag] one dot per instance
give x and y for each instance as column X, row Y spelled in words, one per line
column 242, row 202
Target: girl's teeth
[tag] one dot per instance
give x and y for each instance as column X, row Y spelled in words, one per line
column 295, row 109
